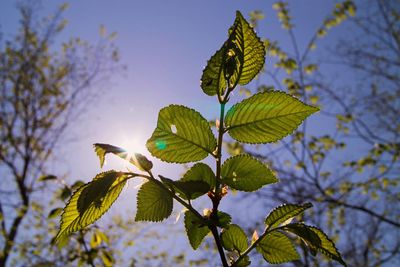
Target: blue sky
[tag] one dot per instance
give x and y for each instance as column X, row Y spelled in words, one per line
column 165, row 45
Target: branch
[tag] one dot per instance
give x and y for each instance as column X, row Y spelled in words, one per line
column 364, row 209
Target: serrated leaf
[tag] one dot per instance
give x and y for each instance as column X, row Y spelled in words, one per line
column 239, row 60
column 197, row 181
column 182, row 135
column 234, row 238
column 196, row 230
column 140, row 161
column 213, row 81
column 306, row 234
column 327, row 247
column 187, row 189
column 284, row 212
column 245, row 173
column 90, row 202
column 154, row 203
column 200, row 172
column 251, row 49
column 266, row 117
column 276, row 248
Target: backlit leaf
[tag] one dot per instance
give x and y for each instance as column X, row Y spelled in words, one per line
column 136, row 159
column 239, row 60
column 182, row 135
column 234, row 238
column 276, row 248
column 244, row 262
column 200, row 172
column 154, row 203
column 305, row 233
column 285, row 212
column 245, row 173
column 187, row 189
column 91, row 201
column 212, row 80
column 224, row 219
column 251, row 49
column 266, row 117
column 327, row 247
column 196, row 230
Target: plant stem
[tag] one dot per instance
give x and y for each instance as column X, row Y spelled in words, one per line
column 217, row 192
column 215, row 233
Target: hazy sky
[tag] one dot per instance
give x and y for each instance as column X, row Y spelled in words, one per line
column 165, row 45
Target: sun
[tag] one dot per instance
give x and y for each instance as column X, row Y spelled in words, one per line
column 132, row 144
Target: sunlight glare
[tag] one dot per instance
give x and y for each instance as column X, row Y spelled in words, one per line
column 133, row 144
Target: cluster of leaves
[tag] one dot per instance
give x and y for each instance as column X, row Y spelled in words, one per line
column 351, row 172
column 183, row 135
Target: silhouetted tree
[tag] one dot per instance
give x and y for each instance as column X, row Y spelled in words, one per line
column 42, row 87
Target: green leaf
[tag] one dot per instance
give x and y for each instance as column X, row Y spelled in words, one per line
column 224, row 219
column 182, row 135
column 251, row 48
column 200, row 172
column 234, row 238
column 154, row 203
column 140, row 161
column 285, row 212
column 196, row 230
column 245, row 173
column 239, row 60
column 305, row 233
column 187, row 189
column 91, row 201
column 276, row 248
column 213, row 81
column 244, row 262
column 326, row 247
column 266, row 117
